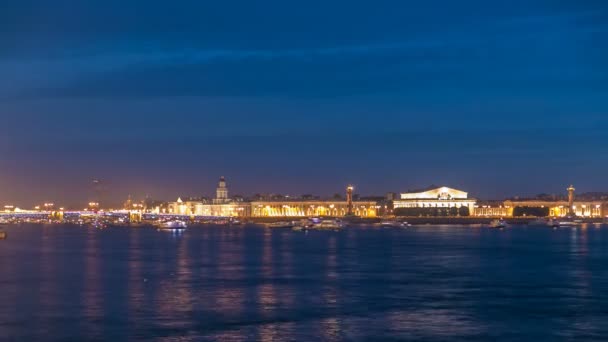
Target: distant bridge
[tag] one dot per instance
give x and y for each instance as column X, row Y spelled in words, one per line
column 100, row 214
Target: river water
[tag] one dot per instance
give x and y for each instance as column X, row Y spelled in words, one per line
column 428, row 283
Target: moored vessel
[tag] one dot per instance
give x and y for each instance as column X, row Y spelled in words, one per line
column 281, row 224
column 329, row 224
column 564, row 223
column 303, row 225
column 173, row 225
column 393, row 224
column 498, row 224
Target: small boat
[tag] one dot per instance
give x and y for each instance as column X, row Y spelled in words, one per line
column 281, row 224
column 329, row 224
column 3, row 235
column 564, row 223
column 98, row 225
column 498, row 224
column 303, row 225
column 236, row 223
column 173, row 225
column 393, row 224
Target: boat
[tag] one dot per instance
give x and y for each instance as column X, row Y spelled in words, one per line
column 281, row 224
column 498, row 224
column 173, row 225
column 303, row 225
column 3, row 235
column 329, row 224
column 565, row 223
column 234, row 222
column 98, row 224
column 393, row 224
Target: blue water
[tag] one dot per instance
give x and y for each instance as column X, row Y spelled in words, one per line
column 234, row 284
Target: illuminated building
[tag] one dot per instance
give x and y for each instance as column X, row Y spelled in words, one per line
column 442, row 198
column 562, row 208
column 221, row 206
column 309, row 208
column 492, row 209
column 586, row 207
column 221, row 193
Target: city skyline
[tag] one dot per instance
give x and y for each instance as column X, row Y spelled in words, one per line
column 500, row 99
column 100, row 191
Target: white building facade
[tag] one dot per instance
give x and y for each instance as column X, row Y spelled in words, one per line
column 442, row 197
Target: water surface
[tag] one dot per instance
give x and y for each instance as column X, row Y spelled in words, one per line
column 232, row 284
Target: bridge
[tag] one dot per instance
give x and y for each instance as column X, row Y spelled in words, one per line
column 133, row 216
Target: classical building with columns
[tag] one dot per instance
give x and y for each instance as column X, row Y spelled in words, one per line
column 492, row 209
column 308, row 208
column 441, row 198
column 547, row 205
column 562, row 208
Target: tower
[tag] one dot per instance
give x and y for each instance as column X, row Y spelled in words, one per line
column 221, row 193
column 98, row 191
column 349, row 200
column 571, row 190
column 128, row 205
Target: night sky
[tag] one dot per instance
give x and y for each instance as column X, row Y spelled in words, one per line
column 160, row 98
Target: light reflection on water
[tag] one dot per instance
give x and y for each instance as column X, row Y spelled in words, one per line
column 425, row 283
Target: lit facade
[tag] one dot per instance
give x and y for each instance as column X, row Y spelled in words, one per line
column 562, row 208
column 571, row 207
column 199, row 208
column 221, row 206
column 492, row 211
column 442, row 197
column 312, row 208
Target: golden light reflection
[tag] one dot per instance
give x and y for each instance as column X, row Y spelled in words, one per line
column 174, row 296
column 92, row 301
column 136, row 280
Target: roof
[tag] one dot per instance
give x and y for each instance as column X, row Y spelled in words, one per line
column 443, row 192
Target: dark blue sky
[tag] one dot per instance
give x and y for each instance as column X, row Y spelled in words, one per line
column 499, row 98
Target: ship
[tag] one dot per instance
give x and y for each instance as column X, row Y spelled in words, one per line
column 329, row 224
column 393, row 224
column 173, row 225
column 564, row 223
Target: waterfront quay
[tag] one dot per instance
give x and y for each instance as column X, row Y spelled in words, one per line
column 432, row 205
